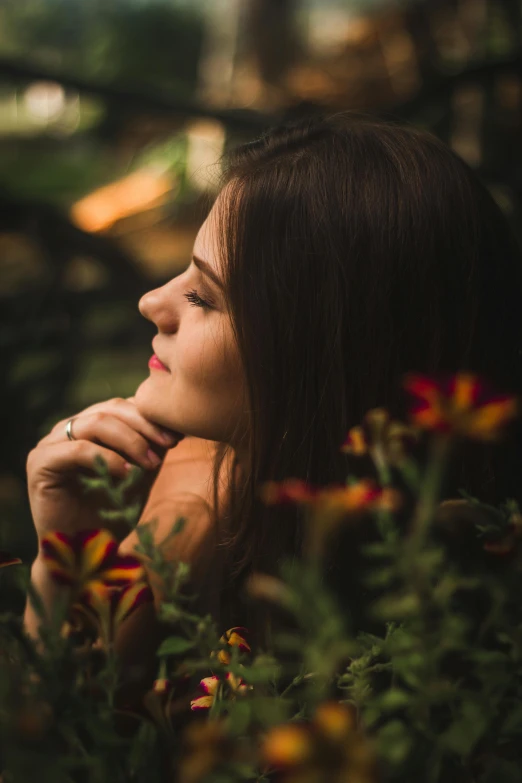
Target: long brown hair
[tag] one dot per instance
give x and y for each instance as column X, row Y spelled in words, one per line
column 355, row 251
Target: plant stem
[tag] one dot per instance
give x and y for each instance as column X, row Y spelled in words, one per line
column 430, row 490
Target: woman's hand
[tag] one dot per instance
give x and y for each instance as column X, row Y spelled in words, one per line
column 113, row 429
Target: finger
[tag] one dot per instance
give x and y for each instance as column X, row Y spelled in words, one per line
column 127, row 412
column 58, row 458
column 106, row 429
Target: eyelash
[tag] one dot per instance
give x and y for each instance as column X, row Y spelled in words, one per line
column 196, row 301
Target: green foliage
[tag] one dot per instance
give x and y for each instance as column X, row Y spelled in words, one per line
column 154, row 44
column 438, row 692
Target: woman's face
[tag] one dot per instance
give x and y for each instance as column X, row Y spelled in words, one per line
column 201, row 390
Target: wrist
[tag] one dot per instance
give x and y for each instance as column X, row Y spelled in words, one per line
column 39, row 567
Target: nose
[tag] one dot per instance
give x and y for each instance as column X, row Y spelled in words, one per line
column 157, row 306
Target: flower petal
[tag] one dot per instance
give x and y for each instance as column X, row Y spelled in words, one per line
column 209, row 685
column 464, row 391
column 289, row 491
column 164, row 685
column 7, row 560
column 487, row 421
column 129, row 598
column 355, row 496
column 223, row 657
column 422, row 387
column 124, row 570
column 233, row 638
column 425, row 409
column 100, row 598
column 355, row 442
column 97, row 549
column 236, row 683
column 202, row 703
column 60, row 557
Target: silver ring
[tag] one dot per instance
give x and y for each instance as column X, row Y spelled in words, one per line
column 68, row 429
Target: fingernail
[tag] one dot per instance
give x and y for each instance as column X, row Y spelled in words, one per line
column 168, row 437
column 153, row 458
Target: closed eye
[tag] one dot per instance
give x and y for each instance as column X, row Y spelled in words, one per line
column 196, row 301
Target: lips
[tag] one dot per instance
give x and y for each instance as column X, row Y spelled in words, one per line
column 156, row 364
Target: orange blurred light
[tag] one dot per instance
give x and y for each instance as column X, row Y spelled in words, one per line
column 128, row 196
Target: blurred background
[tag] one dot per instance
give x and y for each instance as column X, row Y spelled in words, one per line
column 113, row 116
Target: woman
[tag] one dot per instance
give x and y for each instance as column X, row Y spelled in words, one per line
column 340, row 253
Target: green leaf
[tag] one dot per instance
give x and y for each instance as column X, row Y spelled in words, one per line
column 100, row 466
column 131, row 478
column 178, row 526
column 259, row 673
column 143, row 743
column 394, row 742
column 93, row 483
column 466, row 730
column 397, row 606
column 169, row 612
column 174, row 645
column 145, row 533
column 239, row 713
column 394, row 699
column 377, row 549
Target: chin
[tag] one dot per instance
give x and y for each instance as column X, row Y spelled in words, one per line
column 145, row 400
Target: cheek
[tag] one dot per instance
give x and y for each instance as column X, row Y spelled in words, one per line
column 210, row 363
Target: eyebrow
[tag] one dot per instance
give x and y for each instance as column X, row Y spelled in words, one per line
column 204, row 267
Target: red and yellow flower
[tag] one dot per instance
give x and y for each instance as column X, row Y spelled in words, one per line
column 233, row 639
column 461, row 404
column 331, row 505
column 162, row 686
column 112, row 605
column 364, row 495
column 88, row 561
column 378, row 430
column 210, row 685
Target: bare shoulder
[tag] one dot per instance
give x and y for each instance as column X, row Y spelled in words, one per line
column 189, row 467
column 186, row 545
column 186, row 468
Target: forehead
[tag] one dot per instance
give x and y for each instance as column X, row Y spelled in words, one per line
column 206, row 245
column 205, row 240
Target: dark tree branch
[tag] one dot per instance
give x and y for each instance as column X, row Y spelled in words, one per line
column 135, row 101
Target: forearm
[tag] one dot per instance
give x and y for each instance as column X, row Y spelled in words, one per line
column 49, row 593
